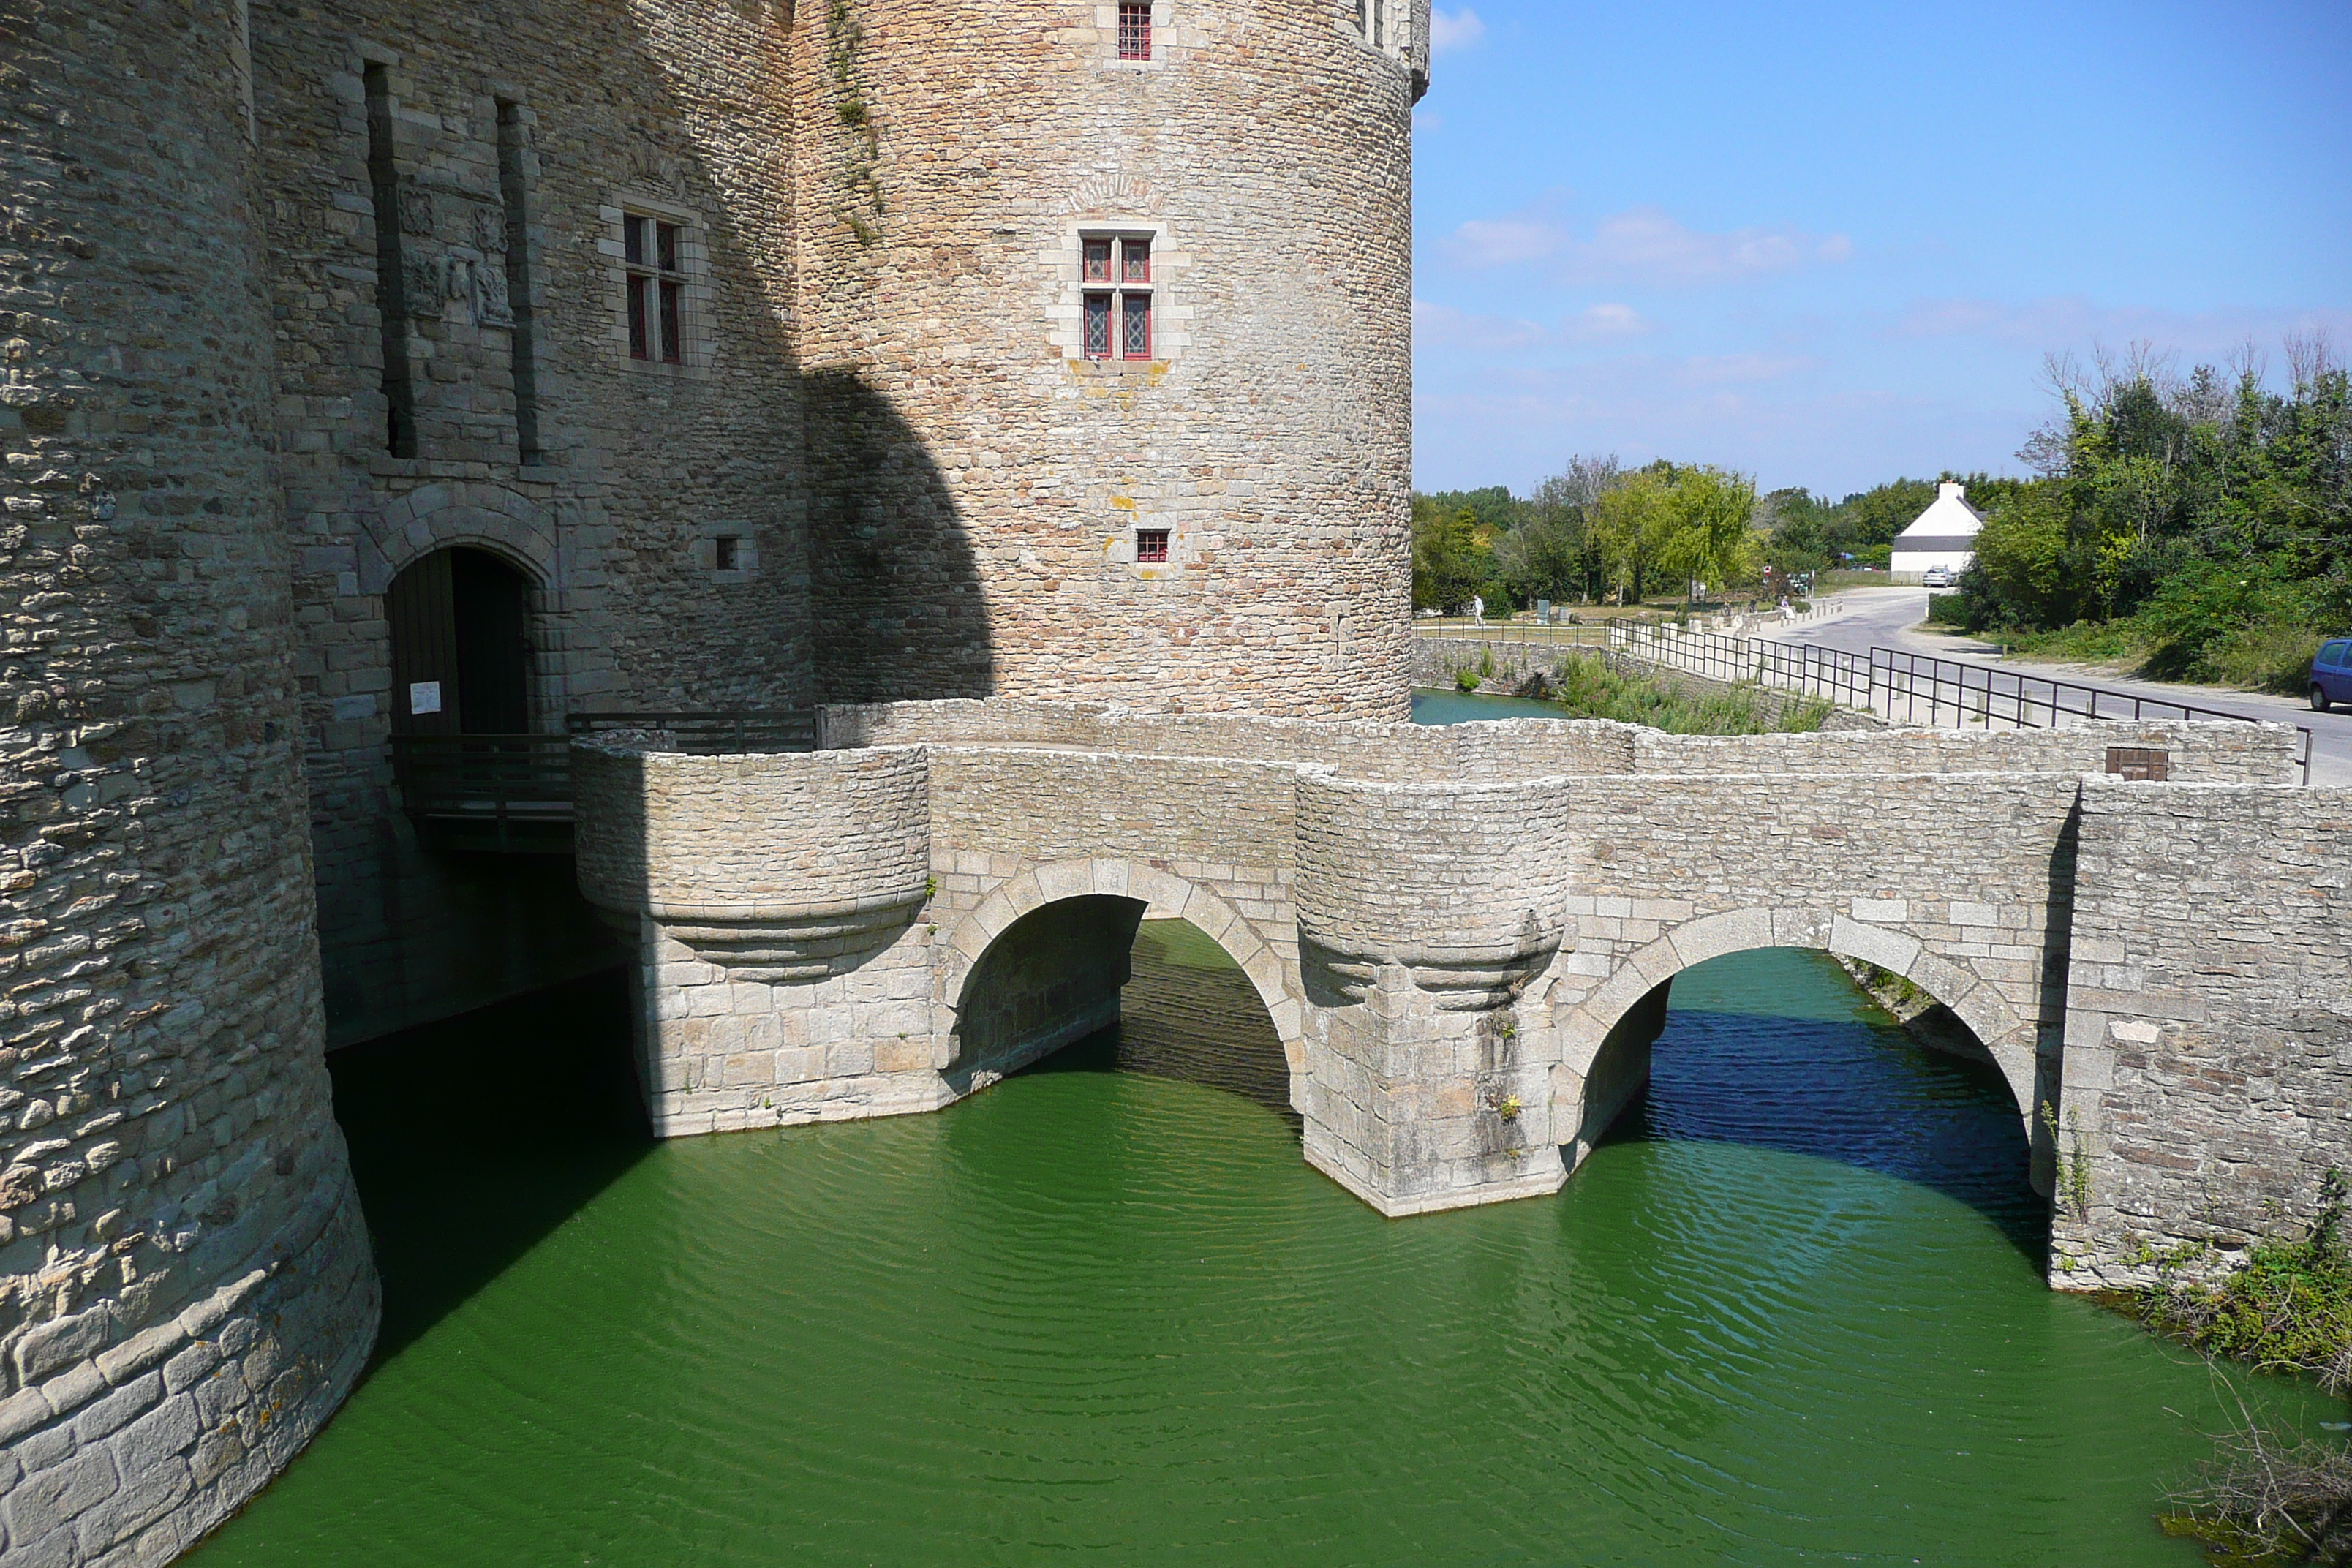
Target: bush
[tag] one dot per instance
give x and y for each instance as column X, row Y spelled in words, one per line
column 1946, row 610
column 1465, row 680
column 2287, row 1309
column 1590, row 687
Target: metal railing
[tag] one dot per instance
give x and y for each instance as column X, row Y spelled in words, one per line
column 1986, row 696
column 495, row 783
column 1913, row 688
column 1826, row 673
column 712, row 731
column 514, row 792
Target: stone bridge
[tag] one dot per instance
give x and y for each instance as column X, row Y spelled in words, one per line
column 1463, row 935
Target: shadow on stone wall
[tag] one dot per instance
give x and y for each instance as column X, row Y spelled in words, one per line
column 895, row 592
column 1188, row 1012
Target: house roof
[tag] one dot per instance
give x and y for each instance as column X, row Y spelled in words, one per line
column 1948, row 518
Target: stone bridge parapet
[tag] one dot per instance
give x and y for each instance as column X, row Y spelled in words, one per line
column 1462, row 936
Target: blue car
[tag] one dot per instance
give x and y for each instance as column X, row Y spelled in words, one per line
column 2331, row 674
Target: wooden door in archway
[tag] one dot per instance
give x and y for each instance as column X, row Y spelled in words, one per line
column 460, row 624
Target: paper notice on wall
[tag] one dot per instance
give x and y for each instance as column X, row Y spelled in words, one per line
column 424, row 697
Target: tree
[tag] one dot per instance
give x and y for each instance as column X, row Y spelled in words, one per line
column 1709, row 537
column 1451, row 560
column 1631, row 522
column 1551, row 553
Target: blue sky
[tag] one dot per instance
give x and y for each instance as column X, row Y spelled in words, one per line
column 1831, row 244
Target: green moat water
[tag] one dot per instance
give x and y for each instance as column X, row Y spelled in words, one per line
column 1790, row 1313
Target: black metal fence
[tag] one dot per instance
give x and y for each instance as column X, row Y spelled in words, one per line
column 1913, row 689
column 514, row 792
column 513, row 788
column 712, row 731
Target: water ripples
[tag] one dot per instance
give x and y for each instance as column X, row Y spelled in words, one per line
column 1789, row 1314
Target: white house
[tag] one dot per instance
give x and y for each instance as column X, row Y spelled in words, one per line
column 1944, row 535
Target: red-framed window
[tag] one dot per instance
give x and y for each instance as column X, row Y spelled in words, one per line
column 1119, row 288
column 656, row 286
column 1135, row 29
column 1150, row 546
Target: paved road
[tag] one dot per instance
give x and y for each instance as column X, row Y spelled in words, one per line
column 1892, row 617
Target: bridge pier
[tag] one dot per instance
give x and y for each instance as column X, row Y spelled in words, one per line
column 1415, row 1107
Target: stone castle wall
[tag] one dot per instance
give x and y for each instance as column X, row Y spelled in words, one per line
column 185, row 1291
column 988, row 543
column 515, row 136
column 2209, row 1019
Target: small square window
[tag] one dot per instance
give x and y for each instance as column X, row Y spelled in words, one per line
column 1136, row 254
column 1151, row 546
column 1135, row 29
column 1097, row 261
column 726, row 553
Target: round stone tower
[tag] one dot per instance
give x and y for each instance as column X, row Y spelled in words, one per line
column 185, row 1290
column 1106, row 315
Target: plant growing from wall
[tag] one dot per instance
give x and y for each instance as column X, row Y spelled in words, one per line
column 2072, row 1176
column 861, row 181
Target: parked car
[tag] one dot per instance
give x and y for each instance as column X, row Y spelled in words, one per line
column 1937, row 577
column 2331, row 674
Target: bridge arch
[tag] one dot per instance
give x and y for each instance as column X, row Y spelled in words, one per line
column 1039, row 888
column 1583, row 1026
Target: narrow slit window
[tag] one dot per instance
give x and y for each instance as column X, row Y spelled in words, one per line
column 726, row 553
column 514, row 192
column 391, row 302
column 656, row 288
column 1135, row 29
column 1151, row 546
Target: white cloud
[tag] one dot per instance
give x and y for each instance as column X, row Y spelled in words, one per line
column 1458, row 30
column 1642, row 245
column 1598, row 322
column 2072, row 322
column 1444, row 326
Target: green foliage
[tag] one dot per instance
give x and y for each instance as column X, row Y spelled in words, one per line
column 1453, row 561
column 1494, row 508
column 1466, row 680
column 1946, row 610
column 2210, row 514
column 2264, row 1499
column 2287, row 1309
column 1589, row 687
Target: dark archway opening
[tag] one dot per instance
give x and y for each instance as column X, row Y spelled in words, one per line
column 460, row 625
column 1088, row 984
column 1782, row 1048
column 1189, row 1014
